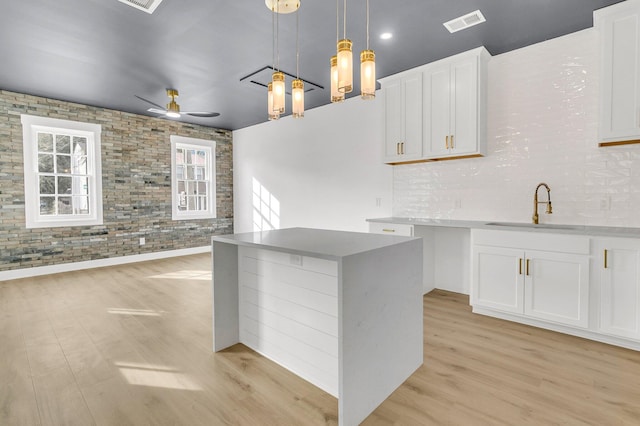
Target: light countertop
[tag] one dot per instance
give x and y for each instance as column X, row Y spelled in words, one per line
column 325, row 244
column 596, row 231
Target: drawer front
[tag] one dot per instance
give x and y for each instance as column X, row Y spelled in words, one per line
column 391, row 229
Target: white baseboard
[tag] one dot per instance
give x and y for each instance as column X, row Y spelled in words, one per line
column 98, row 263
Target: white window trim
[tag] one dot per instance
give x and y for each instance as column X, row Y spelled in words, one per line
column 211, row 168
column 30, row 127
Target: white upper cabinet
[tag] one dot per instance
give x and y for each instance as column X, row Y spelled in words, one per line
column 437, row 111
column 403, row 118
column 454, row 106
column 619, row 27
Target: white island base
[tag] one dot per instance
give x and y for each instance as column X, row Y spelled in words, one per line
column 342, row 310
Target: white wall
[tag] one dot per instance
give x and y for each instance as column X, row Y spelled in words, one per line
column 542, row 127
column 322, row 171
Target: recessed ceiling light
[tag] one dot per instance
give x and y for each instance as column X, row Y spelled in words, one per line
column 386, row 36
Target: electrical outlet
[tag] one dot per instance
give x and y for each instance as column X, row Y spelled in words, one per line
column 605, row 203
column 378, row 202
column 142, row 241
column 458, row 203
column 295, row 259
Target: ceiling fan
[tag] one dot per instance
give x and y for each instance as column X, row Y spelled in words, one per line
column 173, row 109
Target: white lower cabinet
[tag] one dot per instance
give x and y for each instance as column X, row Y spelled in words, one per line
column 511, row 274
column 618, row 263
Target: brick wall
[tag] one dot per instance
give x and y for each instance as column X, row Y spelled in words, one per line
column 542, row 127
column 136, row 188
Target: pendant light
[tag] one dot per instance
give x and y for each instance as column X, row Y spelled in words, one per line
column 272, row 114
column 336, row 96
column 367, row 69
column 345, row 59
column 297, row 85
column 277, row 79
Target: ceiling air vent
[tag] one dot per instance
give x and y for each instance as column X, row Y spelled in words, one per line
column 464, row 22
column 147, row 5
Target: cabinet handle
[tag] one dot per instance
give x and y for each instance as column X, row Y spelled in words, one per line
column 402, row 148
column 446, row 141
column 528, row 260
column 451, row 141
column 519, row 266
column 606, row 263
column 397, row 148
column 388, row 230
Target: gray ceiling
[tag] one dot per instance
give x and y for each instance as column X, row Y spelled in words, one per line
column 103, row 52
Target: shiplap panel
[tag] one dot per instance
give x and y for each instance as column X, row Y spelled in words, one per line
column 321, row 321
column 289, row 313
column 273, row 283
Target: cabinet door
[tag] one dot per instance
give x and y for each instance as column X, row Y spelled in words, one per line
column 393, row 119
column 497, row 278
column 620, row 287
column 412, row 148
column 620, row 91
column 557, row 287
column 403, row 119
column 437, row 101
column 464, row 107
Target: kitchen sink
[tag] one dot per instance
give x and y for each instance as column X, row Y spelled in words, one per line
column 536, row 225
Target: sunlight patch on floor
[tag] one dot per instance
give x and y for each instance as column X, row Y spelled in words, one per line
column 185, row 275
column 157, row 376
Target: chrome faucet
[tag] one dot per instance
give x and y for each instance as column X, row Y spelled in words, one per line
column 536, row 202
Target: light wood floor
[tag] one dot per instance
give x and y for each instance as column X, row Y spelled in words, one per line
column 132, row 345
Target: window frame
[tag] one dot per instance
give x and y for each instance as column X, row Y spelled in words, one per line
column 199, row 144
column 31, row 125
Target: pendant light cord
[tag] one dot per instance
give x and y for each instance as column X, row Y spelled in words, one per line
column 297, row 45
column 273, row 39
column 277, row 35
column 367, row 24
column 337, row 21
column 344, row 32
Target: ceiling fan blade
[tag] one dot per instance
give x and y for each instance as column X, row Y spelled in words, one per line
column 157, row 111
column 149, row 102
column 202, row 114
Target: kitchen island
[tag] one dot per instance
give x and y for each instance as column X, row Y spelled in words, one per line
column 342, row 310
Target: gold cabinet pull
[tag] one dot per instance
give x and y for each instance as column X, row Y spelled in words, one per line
column 528, row 260
column 451, row 141
column 606, row 263
column 402, row 148
column 397, row 148
column 388, row 230
column 519, row 266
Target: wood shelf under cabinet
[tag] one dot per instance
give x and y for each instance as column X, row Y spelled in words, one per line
column 616, row 143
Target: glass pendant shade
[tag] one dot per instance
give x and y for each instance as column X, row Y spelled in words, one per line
column 345, row 66
column 272, row 114
column 297, row 95
column 367, row 74
column 278, row 92
column 336, row 96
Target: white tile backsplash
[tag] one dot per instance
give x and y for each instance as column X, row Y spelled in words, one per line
column 542, row 122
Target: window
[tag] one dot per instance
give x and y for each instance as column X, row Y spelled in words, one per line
column 62, row 173
column 193, row 183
